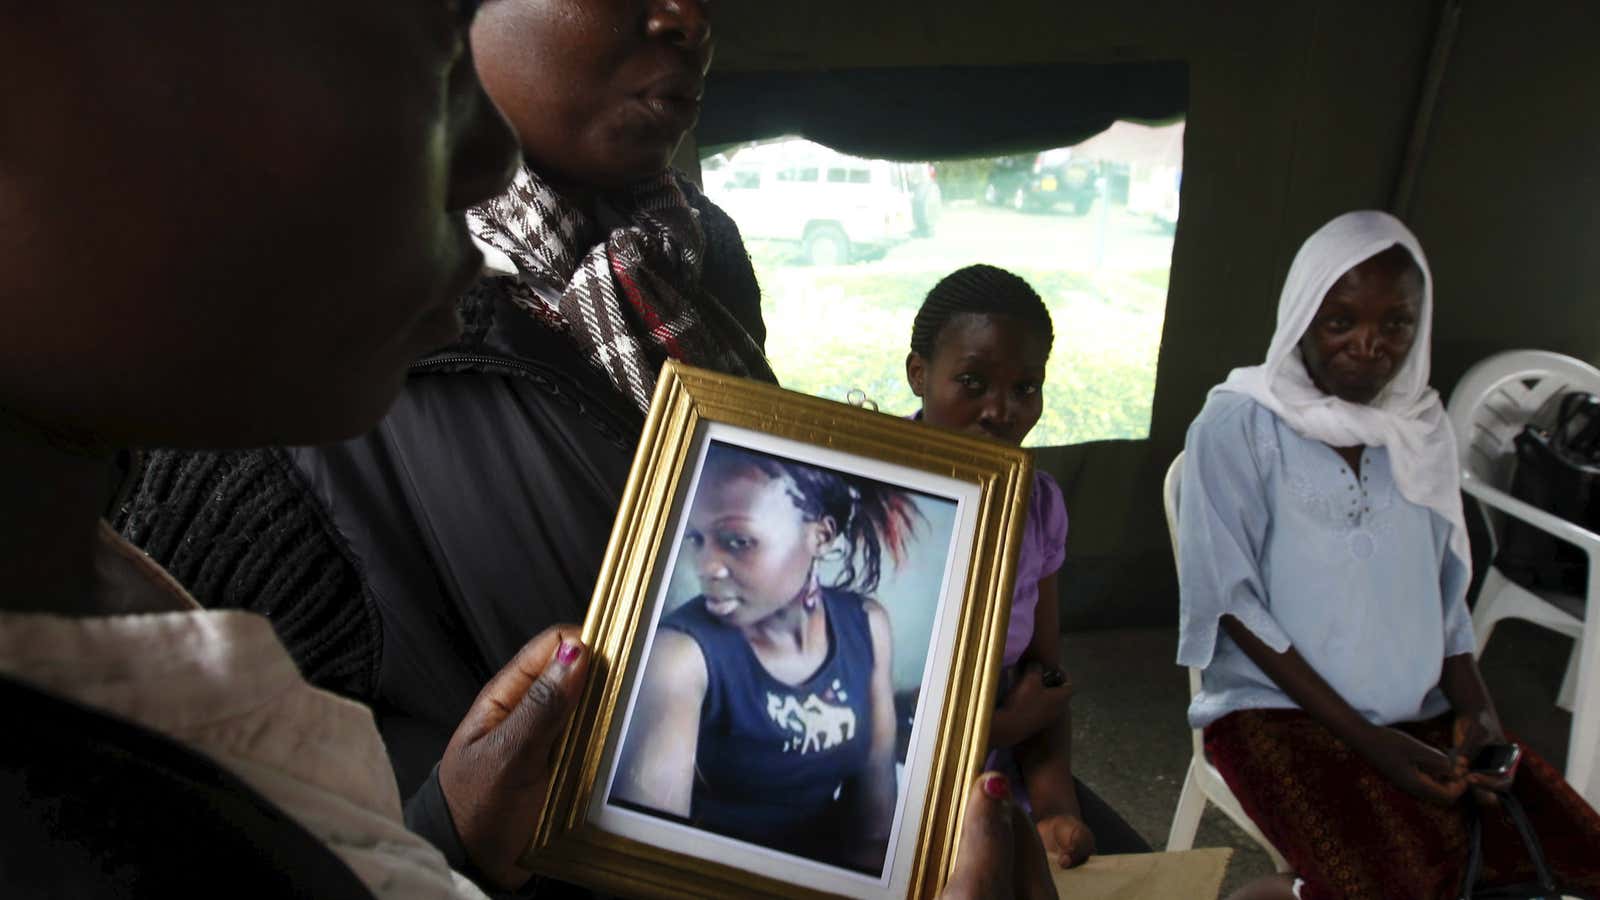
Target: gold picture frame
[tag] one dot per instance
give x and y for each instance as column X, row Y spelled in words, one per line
column 581, row 837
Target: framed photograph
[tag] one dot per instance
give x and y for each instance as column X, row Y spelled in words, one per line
column 796, row 633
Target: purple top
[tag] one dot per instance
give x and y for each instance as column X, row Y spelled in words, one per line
column 1044, row 547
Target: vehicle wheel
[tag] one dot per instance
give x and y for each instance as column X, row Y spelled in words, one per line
column 1081, row 205
column 1019, row 200
column 990, row 195
column 826, row 245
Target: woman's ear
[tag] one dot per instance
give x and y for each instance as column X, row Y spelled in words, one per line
column 824, row 532
column 916, row 372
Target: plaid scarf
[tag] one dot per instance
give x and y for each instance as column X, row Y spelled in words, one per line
column 630, row 298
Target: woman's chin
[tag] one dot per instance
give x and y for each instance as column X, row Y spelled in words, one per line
column 636, row 155
column 1360, row 394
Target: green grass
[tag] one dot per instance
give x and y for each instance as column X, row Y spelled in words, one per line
column 846, row 328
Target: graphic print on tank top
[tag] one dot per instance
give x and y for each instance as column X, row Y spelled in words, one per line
column 772, row 757
column 819, row 723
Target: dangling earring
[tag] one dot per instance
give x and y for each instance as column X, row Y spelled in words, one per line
column 812, row 589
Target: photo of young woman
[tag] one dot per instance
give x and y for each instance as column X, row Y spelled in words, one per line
column 796, row 623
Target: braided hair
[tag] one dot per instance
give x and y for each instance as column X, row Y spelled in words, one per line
column 871, row 516
column 979, row 290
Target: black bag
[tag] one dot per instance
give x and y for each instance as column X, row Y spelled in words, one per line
column 1545, row 886
column 1557, row 470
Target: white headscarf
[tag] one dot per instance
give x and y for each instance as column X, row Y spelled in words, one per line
column 1406, row 417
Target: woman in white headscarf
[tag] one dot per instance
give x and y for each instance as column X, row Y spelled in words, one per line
column 1323, row 569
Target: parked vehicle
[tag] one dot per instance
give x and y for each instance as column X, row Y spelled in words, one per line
column 837, row 208
column 1042, row 181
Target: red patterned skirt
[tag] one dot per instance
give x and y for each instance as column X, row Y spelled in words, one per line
column 1350, row 833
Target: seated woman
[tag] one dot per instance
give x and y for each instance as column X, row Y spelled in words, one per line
column 978, row 351
column 766, row 710
column 1323, row 572
column 405, row 566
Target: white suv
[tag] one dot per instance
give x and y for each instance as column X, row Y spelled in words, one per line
column 836, row 207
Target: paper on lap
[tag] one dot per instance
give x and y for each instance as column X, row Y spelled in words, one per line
column 1144, row 876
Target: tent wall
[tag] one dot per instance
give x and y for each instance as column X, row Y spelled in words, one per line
column 1509, row 197
column 1297, row 111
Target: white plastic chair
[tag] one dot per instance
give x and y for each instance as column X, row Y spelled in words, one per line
column 1487, row 410
column 1203, row 782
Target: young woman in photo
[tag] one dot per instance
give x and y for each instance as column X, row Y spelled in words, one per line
column 767, row 708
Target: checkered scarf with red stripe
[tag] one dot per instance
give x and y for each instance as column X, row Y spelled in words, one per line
column 631, row 297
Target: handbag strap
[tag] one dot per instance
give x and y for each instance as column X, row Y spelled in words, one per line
column 1569, row 407
column 1586, row 441
column 1469, row 880
column 1530, row 844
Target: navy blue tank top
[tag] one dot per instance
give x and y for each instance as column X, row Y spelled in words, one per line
column 773, row 756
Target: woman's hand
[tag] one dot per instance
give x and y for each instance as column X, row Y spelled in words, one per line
column 1476, row 724
column 1473, row 732
column 1029, row 707
column 1066, row 839
column 1414, row 767
column 496, row 771
column 999, row 856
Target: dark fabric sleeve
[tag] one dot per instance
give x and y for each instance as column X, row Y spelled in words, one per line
column 480, row 510
column 240, row 531
column 729, row 275
column 428, row 815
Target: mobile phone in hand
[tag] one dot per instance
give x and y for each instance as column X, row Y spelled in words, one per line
column 1495, row 759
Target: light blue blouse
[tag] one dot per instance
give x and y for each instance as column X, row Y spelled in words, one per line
column 1275, row 530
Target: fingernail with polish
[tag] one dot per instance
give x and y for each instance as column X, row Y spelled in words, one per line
column 568, row 653
column 997, row 787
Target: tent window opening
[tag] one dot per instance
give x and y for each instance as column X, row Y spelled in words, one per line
column 844, row 265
